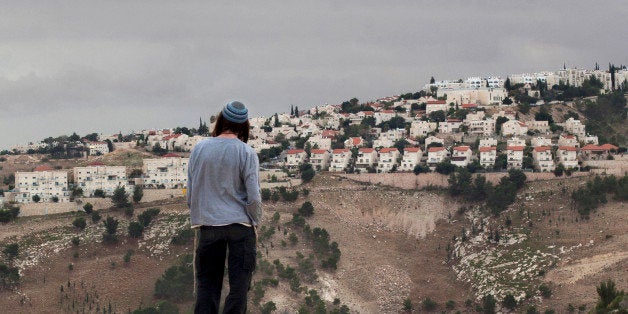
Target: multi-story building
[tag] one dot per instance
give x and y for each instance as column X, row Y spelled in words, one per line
column 514, row 128
column 488, row 155
column 295, row 157
column 98, row 176
column 515, row 141
column 433, row 139
column 354, row 142
column 449, row 126
column 543, row 160
column 98, row 148
column 319, row 159
column 340, row 159
column 387, row 159
column 482, row 96
column 540, row 126
column 575, row 127
column 568, row 156
column 44, row 182
column 170, row 171
column 320, row 142
column 568, row 140
column 541, row 141
column 481, row 127
column 436, row 155
column 514, row 156
column 422, row 128
column 411, row 158
column 489, row 141
column 436, row 105
column 367, row 158
column 461, row 156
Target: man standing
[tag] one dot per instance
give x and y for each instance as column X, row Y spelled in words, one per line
column 225, row 205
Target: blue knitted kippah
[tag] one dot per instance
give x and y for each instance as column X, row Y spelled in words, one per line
column 235, row 112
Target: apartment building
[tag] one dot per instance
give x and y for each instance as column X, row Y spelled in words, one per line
column 98, row 148
column 436, row 155
column 514, row 156
column 169, row 171
column 575, row 127
column 543, row 160
column 436, row 105
column 541, row 141
column 98, row 176
column 422, row 128
column 481, row 127
column 568, row 140
column 449, row 126
column 319, row 159
column 514, row 128
column 43, row 181
column 433, row 139
column 367, row 158
column 488, row 141
column 295, row 157
column 340, row 159
column 461, row 155
column 568, row 156
column 488, row 155
column 411, row 158
column 387, row 159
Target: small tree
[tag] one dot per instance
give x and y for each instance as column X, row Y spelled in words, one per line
column 307, row 172
column 111, row 227
column 127, row 257
column 95, row 217
column 488, row 304
column 88, row 208
column 138, row 193
column 135, row 229
column 120, row 198
column 11, row 250
column 268, row 307
column 36, row 198
column 306, row 210
column 76, row 241
column 545, row 290
column 99, row 193
column 407, row 305
column 609, row 296
column 79, row 223
column 509, row 302
column 429, row 304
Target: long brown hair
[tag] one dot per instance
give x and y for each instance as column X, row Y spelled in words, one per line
column 240, row 129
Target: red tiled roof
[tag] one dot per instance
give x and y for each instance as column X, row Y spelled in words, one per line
column 388, row 111
column 484, row 149
column 462, row 148
column 386, row 150
column 609, row 147
column 454, row 120
column 366, row 150
column 568, row 148
column 603, row 147
column 318, row 151
column 329, row 133
column 168, row 137
column 412, row 149
column 295, row 151
column 437, row 102
column 168, row 155
column 435, row 149
column 515, row 148
column 465, row 106
column 43, row 168
column 356, row 141
column 340, row 150
column 368, row 113
column 165, row 131
column 542, row 148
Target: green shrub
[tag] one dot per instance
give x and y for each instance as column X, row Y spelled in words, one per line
column 429, row 304
column 307, row 209
column 177, row 282
column 135, row 229
column 79, row 223
column 183, row 236
column 88, row 207
column 146, row 217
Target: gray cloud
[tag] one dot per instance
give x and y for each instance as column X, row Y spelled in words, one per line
column 90, row 66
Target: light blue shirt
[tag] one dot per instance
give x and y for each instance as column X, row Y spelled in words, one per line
column 223, row 183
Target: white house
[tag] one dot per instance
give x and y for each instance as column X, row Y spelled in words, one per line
column 422, row 128
column 319, row 159
column 411, row 158
column 387, row 159
column 489, row 141
column 295, row 157
column 170, row 171
column 44, row 182
column 568, row 140
column 543, row 158
column 449, row 126
column 514, row 128
column 354, row 142
column 461, row 156
column 541, row 126
column 98, row 176
column 320, row 142
column 481, row 127
column 568, row 156
column 98, row 148
column 367, row 158
column 340, row 159
column 384, row 115
column 575, row 127
column 488, row 155
column 514, row 155
column 433, row 139
column 541, row 141
column 436, row 105
column 436, row 155
column 515, row 141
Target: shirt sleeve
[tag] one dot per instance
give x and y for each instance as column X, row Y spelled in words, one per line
column 251, row 181
column 188, row 191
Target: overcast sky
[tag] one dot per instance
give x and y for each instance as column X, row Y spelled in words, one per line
column 109, row 66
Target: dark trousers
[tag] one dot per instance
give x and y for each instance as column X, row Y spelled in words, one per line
column 209, row 263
